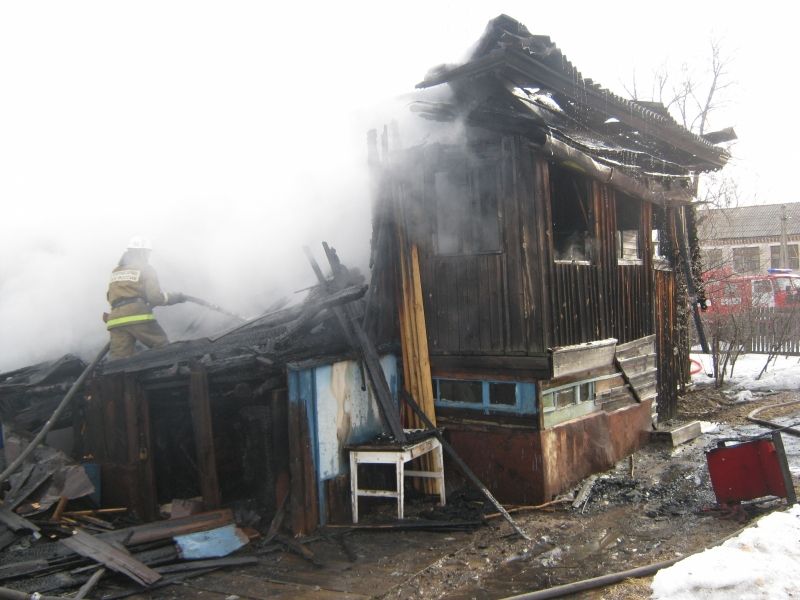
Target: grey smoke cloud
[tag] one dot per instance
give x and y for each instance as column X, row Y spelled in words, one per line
column 234, row 133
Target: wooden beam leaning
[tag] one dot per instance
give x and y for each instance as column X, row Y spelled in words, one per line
column 413, row 334
column 359, row 341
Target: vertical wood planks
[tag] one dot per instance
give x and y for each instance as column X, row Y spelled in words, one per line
column 200, row 405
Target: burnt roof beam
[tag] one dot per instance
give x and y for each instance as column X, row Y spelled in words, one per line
column 595, row 98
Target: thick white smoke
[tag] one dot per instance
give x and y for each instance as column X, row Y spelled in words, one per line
column 233, row 133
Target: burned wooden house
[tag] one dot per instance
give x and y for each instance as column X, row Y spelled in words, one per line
column 544, row 217
column 524, row 293
column 252, row 418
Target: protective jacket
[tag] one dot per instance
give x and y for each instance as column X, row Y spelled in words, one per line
column 132, row 293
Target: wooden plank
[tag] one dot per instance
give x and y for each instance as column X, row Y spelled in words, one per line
column 568, row 360
column 679, row 435
column 161, row 530
column 39, row 474
column 115, row 559
column 304, row 507
column 512, row 234
column 193, row 565
column 200, row 407
column 15, row 522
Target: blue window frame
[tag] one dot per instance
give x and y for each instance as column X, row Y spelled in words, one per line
column 486, row 396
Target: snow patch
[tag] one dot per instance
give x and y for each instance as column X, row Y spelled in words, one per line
column 761, row 562
column 783, row 373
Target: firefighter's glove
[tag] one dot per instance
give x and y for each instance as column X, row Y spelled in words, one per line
column 175, row 298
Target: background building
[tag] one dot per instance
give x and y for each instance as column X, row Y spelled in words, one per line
column 747, row 239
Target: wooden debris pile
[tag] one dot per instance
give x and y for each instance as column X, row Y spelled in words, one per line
column 76, row 550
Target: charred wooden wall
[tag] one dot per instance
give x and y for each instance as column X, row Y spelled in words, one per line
column 667, row 340
column 190, row 436
column 519, row 301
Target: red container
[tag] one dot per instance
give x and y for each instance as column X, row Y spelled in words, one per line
column 749, row 470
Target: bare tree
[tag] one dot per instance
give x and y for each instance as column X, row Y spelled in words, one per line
column 691, row 99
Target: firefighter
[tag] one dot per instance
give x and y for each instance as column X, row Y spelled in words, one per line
column 132, row 293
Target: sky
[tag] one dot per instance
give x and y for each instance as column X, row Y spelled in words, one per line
column 233, row 133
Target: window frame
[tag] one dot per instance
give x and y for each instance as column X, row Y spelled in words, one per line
column 793, row 255
column 576, row 386
column 553, row 415
column 620, row 199
column 525, row 397
column 737, row 260
column 579, row 181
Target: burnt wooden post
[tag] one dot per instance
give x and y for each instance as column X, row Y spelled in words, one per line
column 200, row 404
column 303, row 479
column 139, row 462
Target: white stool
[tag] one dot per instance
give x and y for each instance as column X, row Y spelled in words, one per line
column 398, row 455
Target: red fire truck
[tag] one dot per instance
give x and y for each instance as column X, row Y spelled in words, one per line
column 728, row 293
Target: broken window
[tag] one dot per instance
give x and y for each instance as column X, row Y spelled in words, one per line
column 488, row 396
column 629, row 223
column 571, row 214
column 567, row 395
column 791, row 254
column 467, row 219
column 662, row 245
column 746, row 259
column 567, row 402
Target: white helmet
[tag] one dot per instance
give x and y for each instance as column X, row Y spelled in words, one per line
column 139, row 242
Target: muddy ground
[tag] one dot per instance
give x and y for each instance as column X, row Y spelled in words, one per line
column 656, row 506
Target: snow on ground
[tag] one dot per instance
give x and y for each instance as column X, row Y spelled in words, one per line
column 782, row 374
column 761, row 562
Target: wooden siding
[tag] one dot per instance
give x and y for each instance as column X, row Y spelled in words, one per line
column 465, row 310
column 519, row 301
column 667, row 339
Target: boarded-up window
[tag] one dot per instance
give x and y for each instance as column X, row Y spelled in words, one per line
column 746, row 260
column 571, row 214
column 467, row 209
column 629, row 223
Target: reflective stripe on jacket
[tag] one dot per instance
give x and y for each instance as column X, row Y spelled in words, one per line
column 118, row 322
column 133, row 280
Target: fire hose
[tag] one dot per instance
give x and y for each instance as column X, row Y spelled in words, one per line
column 215, row 308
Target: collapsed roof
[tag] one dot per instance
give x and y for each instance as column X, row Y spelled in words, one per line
column 523, row 83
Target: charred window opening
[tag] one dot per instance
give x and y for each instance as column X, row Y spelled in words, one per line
column 629, row 224
column 662, row 244
column 487, row 396
column 571, row 213
column 747, row 259
column 467, row 218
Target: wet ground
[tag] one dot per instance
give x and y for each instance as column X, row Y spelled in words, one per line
column 657, row 506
